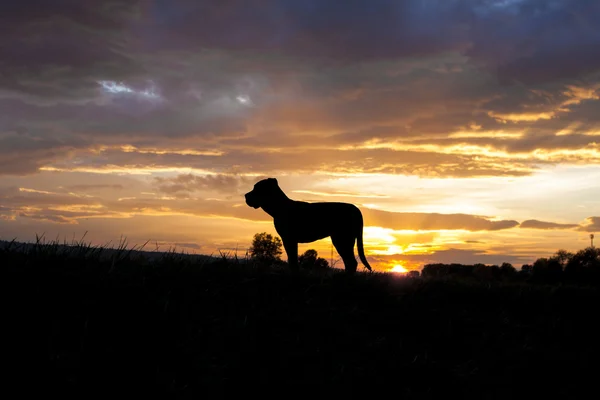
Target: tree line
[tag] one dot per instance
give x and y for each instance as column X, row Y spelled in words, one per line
column 582, row 267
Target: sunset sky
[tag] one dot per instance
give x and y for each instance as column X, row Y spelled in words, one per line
column 466, row 131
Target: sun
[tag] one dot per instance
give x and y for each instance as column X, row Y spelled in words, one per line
column 399, row 269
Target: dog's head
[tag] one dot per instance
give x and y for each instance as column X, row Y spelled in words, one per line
column 262, row 192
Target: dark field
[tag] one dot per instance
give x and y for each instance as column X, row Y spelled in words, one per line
column 81, row 324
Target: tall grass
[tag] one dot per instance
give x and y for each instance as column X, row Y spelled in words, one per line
column 88, row 320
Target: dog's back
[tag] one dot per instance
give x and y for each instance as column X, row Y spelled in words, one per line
column 325, row 219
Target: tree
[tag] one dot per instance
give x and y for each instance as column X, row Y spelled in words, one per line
column 584, row 265
column 507, row 270
column 526, row 269
column 547, row 270
column 311, row 260
column 265, row 247
column 562, row 257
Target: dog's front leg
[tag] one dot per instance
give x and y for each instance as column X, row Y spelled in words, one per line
column 291, row 248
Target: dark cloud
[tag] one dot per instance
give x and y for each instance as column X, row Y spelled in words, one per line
column 535, row 224
column 516, row 39
column 311, row 28
column 57, row 50
column 536, row 41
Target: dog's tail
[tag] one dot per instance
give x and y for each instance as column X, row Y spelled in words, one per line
column 359, row 246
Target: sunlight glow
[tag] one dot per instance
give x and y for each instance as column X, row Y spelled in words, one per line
column 398, row 269
column 390, row 251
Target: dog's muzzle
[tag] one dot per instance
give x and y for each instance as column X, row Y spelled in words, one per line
column 251, row 200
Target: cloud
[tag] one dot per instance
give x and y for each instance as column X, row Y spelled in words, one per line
column 419, row 127
column 66, row 44
column 6, row 213
column 342, row 194
column 459, row 256
column 535, row 224
column 261, row 162
column 560, row 36
column 94, row 187
column 312, row 28
column 558, row 40
column 226, row 184
column 591, row 224
column 22, row 154
column 48, row 218
column 433, row 221
column 70, row 206
column 418, row 86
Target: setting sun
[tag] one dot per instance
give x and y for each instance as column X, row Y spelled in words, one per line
column 399, row 269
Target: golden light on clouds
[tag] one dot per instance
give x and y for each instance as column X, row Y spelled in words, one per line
column 342, row 194
column 522, row 117
column 485, row 134
column 183, row 152
column 577, row 94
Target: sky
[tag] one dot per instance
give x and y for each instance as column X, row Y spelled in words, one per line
column 466, row 131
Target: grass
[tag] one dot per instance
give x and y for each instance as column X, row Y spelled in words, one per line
column 85, row 320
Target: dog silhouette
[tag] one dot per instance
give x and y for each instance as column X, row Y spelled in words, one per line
column 302, row 222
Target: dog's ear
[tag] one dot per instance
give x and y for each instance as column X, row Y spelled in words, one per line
column 273, row 180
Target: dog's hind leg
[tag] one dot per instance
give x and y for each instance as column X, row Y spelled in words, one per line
column 345, row 247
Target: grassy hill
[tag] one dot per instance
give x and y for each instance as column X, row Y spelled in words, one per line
column 82, row 323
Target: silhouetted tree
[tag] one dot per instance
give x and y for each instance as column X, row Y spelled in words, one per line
column 581, row 267
column 584, row 266
column 481, row 271
column 311, row 260
column 526, row 269
column 508, row 271
column 266, row 247
column 562, row 257
column 547, row 270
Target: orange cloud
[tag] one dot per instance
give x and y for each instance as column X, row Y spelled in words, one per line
column 591, row 224
column 535, row 224
column 434, row 221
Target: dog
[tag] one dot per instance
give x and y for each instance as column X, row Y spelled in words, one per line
column 302, row 222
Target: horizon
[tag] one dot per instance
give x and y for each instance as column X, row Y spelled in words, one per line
column 465, row 131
